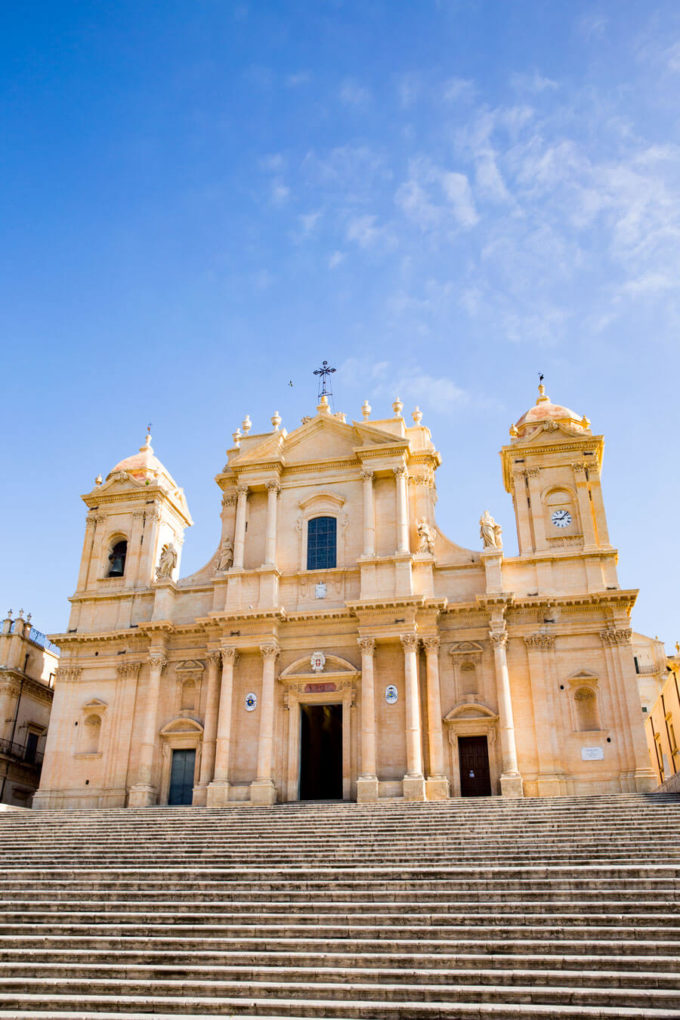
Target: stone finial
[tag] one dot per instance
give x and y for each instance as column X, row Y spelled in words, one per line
column 9, row 614
column 98, row 480
column 323, row 407
column 21, row 614
column 417, row 416
column 236, row 436
column 397, row 407
column 246, row 425
column 513, row 432
column 276, row 421
column 29, row 616
column 366, row 410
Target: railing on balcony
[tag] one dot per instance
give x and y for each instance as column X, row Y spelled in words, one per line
column 38, row 638
column 27, row 755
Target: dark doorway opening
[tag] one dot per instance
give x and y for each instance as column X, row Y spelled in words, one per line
column 475, row 780
column 321, row 752
column 182, row 777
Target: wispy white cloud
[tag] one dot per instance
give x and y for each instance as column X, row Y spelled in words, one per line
column 383, row 382
column 280, row 193
column 353, row 94
column 335, row 259
column 457, row 189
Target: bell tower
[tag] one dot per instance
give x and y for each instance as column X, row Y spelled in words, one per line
column 552, row 468
column 133, row 536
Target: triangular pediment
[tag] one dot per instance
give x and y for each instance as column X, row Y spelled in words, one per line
column 322, row 438
column 121, row 481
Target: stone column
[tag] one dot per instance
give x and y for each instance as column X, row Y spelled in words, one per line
column 437, row 785
column 210, row 727
column 143, row 794
column 550, row 775
column 414, row 783
column 273, row 490
column 263, row 791
column 511, row 781
column 619, row 640
column 240, row 529
column 584, row 505
column 218, row 790
column 400, row 474
column 369, row 513
column 367, row 783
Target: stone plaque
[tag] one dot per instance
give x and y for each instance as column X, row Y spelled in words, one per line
column 592, row 753
column 321, row 590
column 319, row 688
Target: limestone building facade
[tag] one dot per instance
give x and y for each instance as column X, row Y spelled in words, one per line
column 338, row 644
column 28, row 666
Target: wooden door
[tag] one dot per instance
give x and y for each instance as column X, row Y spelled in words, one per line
column 473, row 754
column 182, row 777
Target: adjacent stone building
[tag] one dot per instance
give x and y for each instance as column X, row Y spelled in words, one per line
column 338, row 644
column 28, row 665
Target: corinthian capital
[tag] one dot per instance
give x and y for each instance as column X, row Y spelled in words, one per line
column 400, row 472
column 229, row 654
column 539, row 641
column 367, row 475
column 273, row 486
column 499, row 638
column 128, row 668
column 409, row 641
column 269, row 651
column 157, row 660
column 214, row 657
column 431, row 644
column 612, row 636
column 366, row 644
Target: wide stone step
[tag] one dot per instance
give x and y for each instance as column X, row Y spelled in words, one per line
column 206, row 976
column 21, row 960
column 560, row 943
column 97, row 991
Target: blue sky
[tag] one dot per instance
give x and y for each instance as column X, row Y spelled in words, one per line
column 201, row 200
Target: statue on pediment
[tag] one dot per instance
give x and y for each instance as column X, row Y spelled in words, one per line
column 166, row 563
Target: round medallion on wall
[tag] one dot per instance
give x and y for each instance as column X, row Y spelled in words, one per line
column 251, row 702
column 391, row 694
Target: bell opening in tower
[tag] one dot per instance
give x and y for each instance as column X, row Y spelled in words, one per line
column 321, row 752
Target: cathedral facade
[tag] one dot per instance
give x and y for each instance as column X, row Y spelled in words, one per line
column 338, row 645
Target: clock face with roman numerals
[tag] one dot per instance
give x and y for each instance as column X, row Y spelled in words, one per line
column 561, row 518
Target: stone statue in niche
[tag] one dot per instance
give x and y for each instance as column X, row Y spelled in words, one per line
column 226, row 555
column 166, row 563
column 490, row 532
column 425, row 537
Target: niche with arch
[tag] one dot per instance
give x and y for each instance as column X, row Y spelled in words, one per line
column 90, row 729
column 585, row 703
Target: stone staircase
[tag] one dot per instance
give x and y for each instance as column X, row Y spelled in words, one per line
column 468, row 909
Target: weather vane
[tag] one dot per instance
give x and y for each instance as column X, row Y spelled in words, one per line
column 324, row 373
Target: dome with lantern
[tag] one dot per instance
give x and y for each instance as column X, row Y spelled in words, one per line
column 545, row 414
column 145, row 466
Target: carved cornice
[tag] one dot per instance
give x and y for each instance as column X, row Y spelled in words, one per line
column 539, row 641
column 614, row 636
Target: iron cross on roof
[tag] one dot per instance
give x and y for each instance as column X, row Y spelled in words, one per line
column 324, row 372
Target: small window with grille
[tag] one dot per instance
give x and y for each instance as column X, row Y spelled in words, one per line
column 321, row 543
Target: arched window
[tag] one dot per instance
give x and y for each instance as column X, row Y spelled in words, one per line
column 321, row 543
column 91, row 732
column 587, row 715
column 117, row 559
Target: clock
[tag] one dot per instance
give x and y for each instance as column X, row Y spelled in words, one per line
column 561, row 518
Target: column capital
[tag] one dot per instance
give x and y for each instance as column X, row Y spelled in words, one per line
column 499, row 638
column 157, row 660
column 274, row 486
column 242, row 489
column 400, row 472
column 214, row 657
column 269, row 651
column 431, row 644
column 229, row 499
column 366, row 644
column 68, row 673
column 612, row 636
column 409, row 641
column 539, row 641
column 229, row 654
column 367, row 474
column 128, row 668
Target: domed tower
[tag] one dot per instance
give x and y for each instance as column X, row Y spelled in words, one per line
column 552, row 469
column 133, row 538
